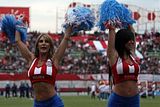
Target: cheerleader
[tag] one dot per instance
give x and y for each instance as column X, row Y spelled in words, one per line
column 44, row 68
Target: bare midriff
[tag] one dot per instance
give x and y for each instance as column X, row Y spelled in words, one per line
column 43, row 91
column 126, row 88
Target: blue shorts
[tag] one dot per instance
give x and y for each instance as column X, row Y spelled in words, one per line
column 120, row 101
column 54, row 101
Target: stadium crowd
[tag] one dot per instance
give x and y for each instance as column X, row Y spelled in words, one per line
column 83, row 59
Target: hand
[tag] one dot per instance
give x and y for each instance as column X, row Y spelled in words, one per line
column 68, row 31
column 130, row 27
column 109, row 25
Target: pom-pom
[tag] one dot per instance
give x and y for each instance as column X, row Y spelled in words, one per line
column 114, row 14
column 21, row 27
column 81, row 18
column 10, row 24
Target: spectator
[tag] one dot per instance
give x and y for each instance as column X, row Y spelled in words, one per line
column 22, row 90
column 14, row 90
column 93, row 91
column 7, row 89
column 27, row 89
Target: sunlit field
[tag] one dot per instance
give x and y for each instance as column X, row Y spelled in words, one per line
column 73, row 101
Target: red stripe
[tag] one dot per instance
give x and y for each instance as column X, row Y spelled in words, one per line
column 103, row 44
column 44, row 69
column 92, row 44
column 31, row 72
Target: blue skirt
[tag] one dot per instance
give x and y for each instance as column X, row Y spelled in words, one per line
column 120, row 101
column 54, row 101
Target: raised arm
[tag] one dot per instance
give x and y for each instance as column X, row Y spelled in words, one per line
column 62, row 47
column 23, row 48
column 111, row 52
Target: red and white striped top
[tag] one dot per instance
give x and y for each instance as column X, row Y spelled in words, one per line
column 122, row 71
column 45, row 73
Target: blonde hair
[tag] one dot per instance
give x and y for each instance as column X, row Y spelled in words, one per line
column 47, row 37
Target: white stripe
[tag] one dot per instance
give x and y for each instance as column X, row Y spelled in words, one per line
column 37, row 70
column 137, row 43
column 106, row 42
column 49, row 70
column 31, row 67
column 131, row 69
column 119, row 66
column 138, row 54
column 49, row 67
column 98, row 45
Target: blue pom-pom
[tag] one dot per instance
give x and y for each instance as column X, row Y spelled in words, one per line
column 114, row 14
column 10, row 24
column 81, row 18
column 125, row 16
column 21, row 27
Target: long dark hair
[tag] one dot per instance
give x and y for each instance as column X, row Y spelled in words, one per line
column 122, row 37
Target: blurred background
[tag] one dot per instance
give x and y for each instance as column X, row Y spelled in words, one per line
column 84, row 68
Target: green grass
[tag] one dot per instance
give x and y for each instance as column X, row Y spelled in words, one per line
column 82, row 101
column 73, row 101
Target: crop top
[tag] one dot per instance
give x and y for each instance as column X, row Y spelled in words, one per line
column 122, row 71
column 45, row 73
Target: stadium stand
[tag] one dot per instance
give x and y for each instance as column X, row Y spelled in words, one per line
column 83, row 54
column 83, row 58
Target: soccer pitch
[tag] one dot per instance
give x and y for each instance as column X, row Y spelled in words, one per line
column 73, row 101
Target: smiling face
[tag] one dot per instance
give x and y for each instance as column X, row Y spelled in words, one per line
column 44, row 45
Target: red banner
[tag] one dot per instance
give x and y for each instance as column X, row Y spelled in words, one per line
column 19, row 12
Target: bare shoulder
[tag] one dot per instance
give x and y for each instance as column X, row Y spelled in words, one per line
column 30, row 61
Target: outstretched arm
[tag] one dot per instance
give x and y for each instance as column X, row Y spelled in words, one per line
column 23, row 48
column 62, row 47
